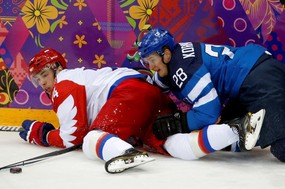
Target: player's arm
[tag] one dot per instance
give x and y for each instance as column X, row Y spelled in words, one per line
column 69, row 102
column 70, row 107
column 201, row 92
column 204, row 112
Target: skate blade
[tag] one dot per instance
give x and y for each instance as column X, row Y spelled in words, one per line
column 119, row 166
column 256, row 121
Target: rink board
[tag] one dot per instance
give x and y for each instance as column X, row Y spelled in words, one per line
column 15, row 116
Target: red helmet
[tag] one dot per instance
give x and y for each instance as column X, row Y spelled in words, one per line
column 47, row 57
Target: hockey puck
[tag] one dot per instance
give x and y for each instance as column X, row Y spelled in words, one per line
column 15, row 170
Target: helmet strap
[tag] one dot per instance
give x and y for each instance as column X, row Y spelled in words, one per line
column 48, row 95
column 55, row 69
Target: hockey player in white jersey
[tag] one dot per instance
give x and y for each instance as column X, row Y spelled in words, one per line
column 207, row 76
column 100, row 108
column 110, row 111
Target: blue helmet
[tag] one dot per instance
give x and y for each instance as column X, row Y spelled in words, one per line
column 154, row 41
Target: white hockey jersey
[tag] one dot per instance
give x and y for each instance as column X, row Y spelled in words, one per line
column 78, row 96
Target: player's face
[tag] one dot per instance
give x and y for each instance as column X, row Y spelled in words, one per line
column 45, row 79
column 154, row 62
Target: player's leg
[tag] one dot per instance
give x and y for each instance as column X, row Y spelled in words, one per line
column 278, row 149
column 194, row 145
column 130, row 111
column 247, row 127
column 267, row 92
column 118, row 154
column 197, row 144
column 126, row 113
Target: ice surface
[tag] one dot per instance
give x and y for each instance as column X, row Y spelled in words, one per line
column 221, row 170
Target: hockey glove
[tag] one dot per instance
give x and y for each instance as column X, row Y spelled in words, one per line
column 36, row 132
column 167, row 125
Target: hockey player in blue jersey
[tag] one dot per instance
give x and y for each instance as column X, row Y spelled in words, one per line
column 245, row 79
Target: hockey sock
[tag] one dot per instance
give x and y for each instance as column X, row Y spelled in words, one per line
column 197, row 144
column 220, row 136
column 103, row 145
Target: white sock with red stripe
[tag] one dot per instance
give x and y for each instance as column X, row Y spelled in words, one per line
column 102, row 145
column 197, row 144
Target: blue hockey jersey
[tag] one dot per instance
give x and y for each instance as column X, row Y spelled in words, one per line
column 206, row 75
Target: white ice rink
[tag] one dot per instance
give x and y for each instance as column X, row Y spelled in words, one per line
column 257, row 169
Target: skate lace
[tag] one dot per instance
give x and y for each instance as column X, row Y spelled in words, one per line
column 235, row 129
column 250, row 128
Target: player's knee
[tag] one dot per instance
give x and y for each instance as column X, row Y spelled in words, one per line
column 183, row 146
column 278, row 149
column 98, row 144
column 89, row 144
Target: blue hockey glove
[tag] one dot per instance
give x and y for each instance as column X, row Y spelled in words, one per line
column 35, row 132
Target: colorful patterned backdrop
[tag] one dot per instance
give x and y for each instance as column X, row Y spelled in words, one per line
column 99, row 33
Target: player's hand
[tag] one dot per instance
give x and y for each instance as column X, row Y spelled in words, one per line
column 36, row 132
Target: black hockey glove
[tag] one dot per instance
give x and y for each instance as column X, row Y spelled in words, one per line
column 167, row 125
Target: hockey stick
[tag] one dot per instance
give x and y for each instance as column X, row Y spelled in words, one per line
column 42, row 157
column 11, row 128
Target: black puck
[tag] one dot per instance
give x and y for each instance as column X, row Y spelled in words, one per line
column 15, row 170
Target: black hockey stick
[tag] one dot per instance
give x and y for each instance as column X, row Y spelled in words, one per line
column 11, row 128
column 42, row 157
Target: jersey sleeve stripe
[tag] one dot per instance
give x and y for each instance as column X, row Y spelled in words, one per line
column 196, row 85
column 212, row 95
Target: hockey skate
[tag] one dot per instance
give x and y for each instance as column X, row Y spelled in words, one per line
column 131, row 158
column 248, row 128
